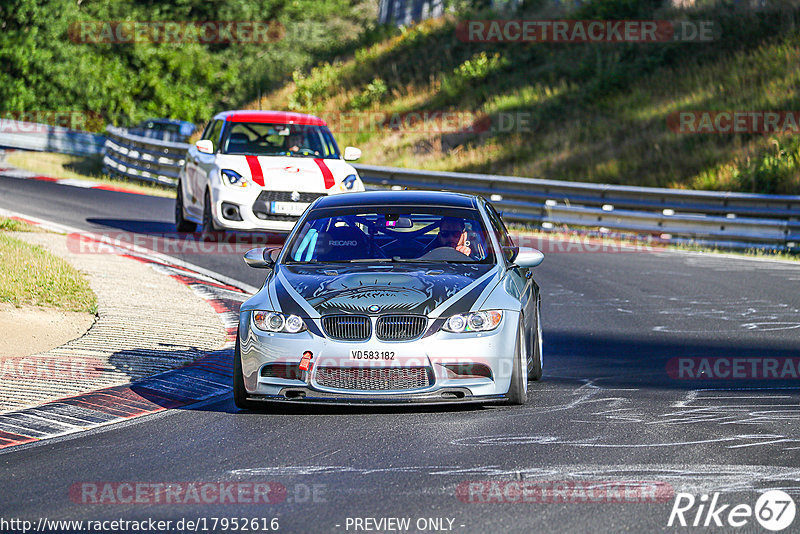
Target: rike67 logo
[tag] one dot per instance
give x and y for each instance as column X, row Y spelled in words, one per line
column 774, row 510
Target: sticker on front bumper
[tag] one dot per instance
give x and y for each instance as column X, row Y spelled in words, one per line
column 305, row 361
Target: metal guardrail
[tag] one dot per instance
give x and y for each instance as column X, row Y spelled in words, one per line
column 727, row 219
column 46, row 138
column 732, row 219
column 143, row 158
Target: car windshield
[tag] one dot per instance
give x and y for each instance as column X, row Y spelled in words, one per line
column 426, row 234
column 296, row 140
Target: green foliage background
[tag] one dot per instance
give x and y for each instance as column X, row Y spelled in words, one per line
column 41, row 69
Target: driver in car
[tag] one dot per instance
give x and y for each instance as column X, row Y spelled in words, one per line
column 294, row 142
column 452, row 234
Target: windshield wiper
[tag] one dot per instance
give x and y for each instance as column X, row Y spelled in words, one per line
column 301, row 262
column 417, row 260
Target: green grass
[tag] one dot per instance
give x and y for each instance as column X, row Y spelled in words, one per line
column 30, row 275
column 13, row 225
column 597, row 113
column 79, row 168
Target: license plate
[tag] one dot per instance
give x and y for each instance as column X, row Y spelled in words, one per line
column 371, row 355
column 288, row 208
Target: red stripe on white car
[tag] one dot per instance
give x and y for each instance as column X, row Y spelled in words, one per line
column 326, row 172
column 255, row 170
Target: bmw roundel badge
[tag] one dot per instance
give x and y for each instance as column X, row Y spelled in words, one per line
column 374, row 308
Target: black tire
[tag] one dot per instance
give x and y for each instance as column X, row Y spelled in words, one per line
column 181, row 224
column 535, row 372
column 239, row 393
column 208, row 220
column 518, row 389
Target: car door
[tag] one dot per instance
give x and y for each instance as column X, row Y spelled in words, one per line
column 190, row 179
column 201, row 166
column 520, row 277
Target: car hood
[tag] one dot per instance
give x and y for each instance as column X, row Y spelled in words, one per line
column 287, row 173
column 377, row 290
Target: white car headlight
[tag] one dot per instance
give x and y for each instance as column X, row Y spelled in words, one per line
column 278, row 322
column 481, row 321
column 233, row 178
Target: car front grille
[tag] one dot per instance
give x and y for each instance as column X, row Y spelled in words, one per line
column 400, row 327
column 286, row 196
column 374, row 379
column 347, row 327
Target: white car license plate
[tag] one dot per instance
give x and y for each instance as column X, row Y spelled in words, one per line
column 371, row 355
column 288, row 208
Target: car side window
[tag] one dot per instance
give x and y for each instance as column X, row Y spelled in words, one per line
column 499, row 227
column 207, row 131
column 214, row 134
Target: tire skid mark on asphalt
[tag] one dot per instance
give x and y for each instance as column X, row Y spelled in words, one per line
column 704, row 478
column 207, row 377
column 766, row 415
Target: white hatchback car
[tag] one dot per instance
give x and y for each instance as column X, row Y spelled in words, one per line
column 260, row 170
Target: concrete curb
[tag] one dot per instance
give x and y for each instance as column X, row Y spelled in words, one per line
column 204, row 378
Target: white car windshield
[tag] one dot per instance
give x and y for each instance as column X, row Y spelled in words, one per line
column 296, row 140
column 424, row 234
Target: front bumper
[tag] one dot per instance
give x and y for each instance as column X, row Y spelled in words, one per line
column 254, row 212
column 244, row 199
column 434, row 353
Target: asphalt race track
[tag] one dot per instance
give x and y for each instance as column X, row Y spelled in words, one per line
column 612, row 409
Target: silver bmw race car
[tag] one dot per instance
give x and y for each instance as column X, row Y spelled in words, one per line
column 392, row 297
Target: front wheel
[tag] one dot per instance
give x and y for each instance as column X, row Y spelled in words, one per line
column 239, row 392
column 535, row 372
column 518, row 390
column 208, row 218
column 181, row 224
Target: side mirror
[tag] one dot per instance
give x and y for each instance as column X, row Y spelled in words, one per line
column 528, row 257
column 205, row 146
column 261, row 258
column 351, row 153
column 510, row 253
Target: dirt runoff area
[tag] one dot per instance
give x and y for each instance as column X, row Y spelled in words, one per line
column 32, row 329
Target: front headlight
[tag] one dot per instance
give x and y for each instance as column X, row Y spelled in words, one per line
column 481, row 321
column 350, row 181
column 278, row 322
column 233, row 178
